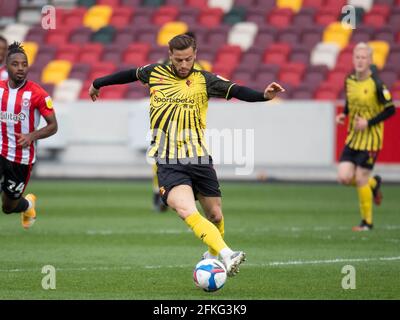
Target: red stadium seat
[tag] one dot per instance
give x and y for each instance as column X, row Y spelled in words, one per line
column 74, row 17
column 121, row 16
column 165, row 14
column 211, row 17
column 59, row 36
column 223, row 70
column 229, row 54
column 292, row 73
column 137, row 54
column 277, row 53
column 327, row 15
column 112, row 3
column 336, row 78
column 68, row 52
column 326, row 92
column 201, row 4
column 100, row 69
column 91, row 52
column 280, row 18
column 313, row 3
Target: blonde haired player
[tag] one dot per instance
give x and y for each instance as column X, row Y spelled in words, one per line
column 368, row 105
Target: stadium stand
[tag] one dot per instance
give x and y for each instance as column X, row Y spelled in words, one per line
column 304, row 40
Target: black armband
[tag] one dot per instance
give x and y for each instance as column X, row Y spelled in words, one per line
column 120, row 77
column 386, row 113
column 246, row 94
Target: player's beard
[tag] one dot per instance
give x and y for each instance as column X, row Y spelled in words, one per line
column 177, row 73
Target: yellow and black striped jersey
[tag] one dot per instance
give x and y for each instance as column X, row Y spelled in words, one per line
column 366, row 98
column 178, row 109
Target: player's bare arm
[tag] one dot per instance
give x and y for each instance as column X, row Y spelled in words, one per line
column 50, row 129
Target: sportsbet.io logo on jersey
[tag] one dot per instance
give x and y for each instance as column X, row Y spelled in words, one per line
column 158, row 100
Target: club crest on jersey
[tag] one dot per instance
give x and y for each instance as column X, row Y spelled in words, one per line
column 26, row 103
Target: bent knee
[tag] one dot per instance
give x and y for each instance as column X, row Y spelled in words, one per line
column 344, row 179
column 215, row 214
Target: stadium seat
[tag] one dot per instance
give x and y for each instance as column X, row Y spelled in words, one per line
column 311, row 36
column 380, row 52
column 112, row 3
column 124, row 36
column 59, row 36
column 56, row 71
column 223, row 70
column 100, row 69
column 256, row 15
column 197, row 3
column 210, row 17
column 15, row 32
column 243, row 34
column 292, row 73
column 69, row 52
column 31, row 49
column 289, row 35
column 228, row 55
column 80, row 35
column 86, row 3
column 158, row 54
column 337, row 33
column 315, row 74
column 300, row 53
column 80, row 71
column 312, row 4
column 36, row 34
column 97, row 17
column 218, row 36
column 170, row 30
column 336, row 78
column 225, row 5
column 266, row 36
column 277, row 53
column 29, row 16
column 294, row 5
column 280, row 18
column 152, row 3
column 389, row 77
column 326, row 92
column 67, row 90
column 189, row 15
column 137, row 54
column 326, row 16
column 325, row 54
column 137, row 91
column 177, row 3
column 112, row 53
column 362, row 33
column 104, row 35
column 165, row 14
column 385, row 34
column 74, row 17
column 235, row 15
column 302, row 92
column 121, row 16
column 305, row 17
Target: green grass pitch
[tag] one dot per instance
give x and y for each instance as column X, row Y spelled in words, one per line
column 105, row 242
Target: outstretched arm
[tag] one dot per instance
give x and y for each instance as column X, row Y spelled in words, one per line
column 250, row 95
column 121, row 77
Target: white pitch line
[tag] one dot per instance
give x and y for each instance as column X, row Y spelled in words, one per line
column 269, row 264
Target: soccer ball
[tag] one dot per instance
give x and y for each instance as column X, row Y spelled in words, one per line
column 209, row 275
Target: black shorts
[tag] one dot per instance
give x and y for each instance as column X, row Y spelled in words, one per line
column 14, row 177
column 201, row 177
column 361, row 158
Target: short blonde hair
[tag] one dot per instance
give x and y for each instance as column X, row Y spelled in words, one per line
column 363, row 46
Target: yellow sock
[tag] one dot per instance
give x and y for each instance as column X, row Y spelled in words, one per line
column 365, row 200
column 206, row 231
column 221, row 228
column 155, row 179
column 372, row 182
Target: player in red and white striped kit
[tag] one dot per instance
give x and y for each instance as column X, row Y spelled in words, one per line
column 22, row 103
